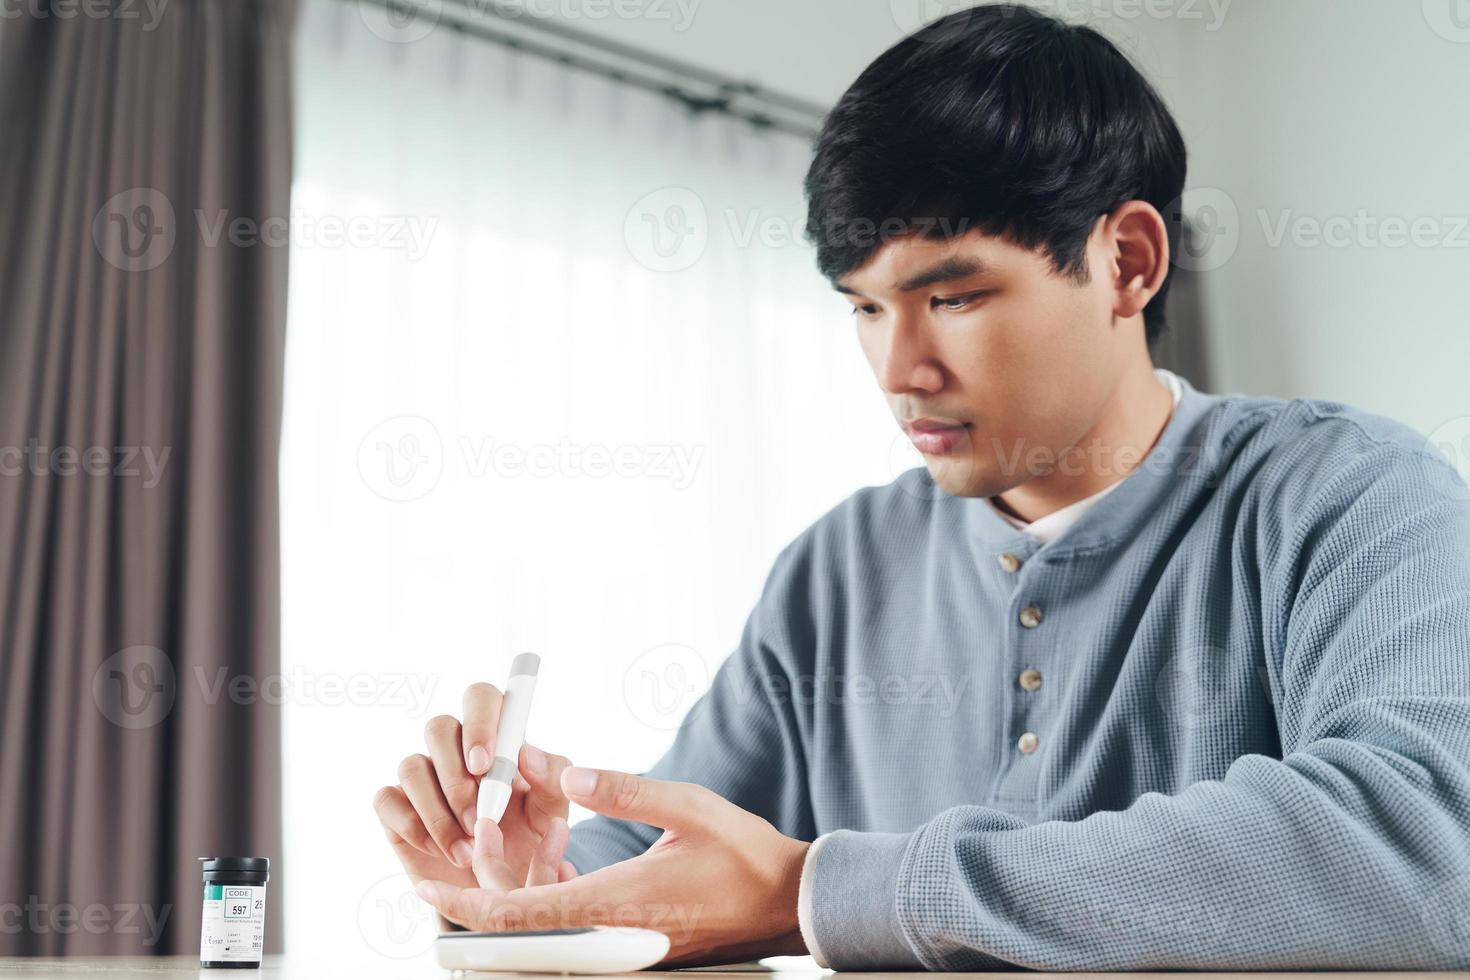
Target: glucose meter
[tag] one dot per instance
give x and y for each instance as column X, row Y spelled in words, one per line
column 596, row 949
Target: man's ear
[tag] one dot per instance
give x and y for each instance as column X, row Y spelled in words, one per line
column 1137, row 243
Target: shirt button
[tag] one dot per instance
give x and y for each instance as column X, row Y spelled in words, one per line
column 1027, row 743
column 1030, row 679
column 1031, row 617
column 1008, row 561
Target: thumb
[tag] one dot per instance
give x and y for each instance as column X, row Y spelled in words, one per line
column 657, row 802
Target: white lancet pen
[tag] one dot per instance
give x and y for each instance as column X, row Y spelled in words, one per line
column 495, row 785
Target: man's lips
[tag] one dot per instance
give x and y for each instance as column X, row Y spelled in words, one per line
column 935, row 436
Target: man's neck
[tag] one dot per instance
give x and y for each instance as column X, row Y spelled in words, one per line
column 1131, row 423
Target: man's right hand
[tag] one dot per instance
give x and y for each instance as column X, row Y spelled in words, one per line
column 430, row 815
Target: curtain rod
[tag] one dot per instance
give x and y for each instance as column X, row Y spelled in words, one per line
column 697, row 88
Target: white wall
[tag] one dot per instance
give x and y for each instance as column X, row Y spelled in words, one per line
column 1317, row 111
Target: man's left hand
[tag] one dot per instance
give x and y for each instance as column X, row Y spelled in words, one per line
column 721, row 883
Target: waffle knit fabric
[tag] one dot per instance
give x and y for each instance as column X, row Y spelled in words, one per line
column 1244, row 742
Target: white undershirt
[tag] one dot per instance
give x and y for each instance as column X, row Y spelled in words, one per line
column 1051, row 526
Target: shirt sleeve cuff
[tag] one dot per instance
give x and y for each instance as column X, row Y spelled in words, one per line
column 846, row 904
column 804, row 903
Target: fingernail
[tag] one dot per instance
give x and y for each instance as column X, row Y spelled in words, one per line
column 535, row 759
column 479, row 759
column 469, row 820
column 425, row 891
column 578, row 781
column 462, row 853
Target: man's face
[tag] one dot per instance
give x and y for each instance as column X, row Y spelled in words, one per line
column 992, row 363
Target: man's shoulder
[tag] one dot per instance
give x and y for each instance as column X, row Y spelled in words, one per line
column 1310, row 426
column 1308, row 444
column 890, row 513
column 1316, row 471
column 902, row 517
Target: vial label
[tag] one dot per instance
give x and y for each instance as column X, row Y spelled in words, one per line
column 234, row 924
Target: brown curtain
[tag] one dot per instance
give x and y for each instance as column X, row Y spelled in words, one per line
column 145, row 163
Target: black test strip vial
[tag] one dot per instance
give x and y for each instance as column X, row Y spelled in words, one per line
column 232, row 931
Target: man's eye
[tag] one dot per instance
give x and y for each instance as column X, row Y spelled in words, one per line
column 866, row 309
column 954, row 304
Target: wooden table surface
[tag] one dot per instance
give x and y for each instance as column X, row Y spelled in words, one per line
column 288, row 968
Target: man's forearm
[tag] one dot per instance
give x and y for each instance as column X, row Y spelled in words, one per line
column 1281, row 865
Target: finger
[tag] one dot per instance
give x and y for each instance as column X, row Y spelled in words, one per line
column 472, row 908
column 401, row 820
column 491, row 869
column 657, row 802
column 566, row 872
column 442, row 735
column 547, row 859
column 566, row 905
column 420, row 783
column 546, row 798
column 481, row 717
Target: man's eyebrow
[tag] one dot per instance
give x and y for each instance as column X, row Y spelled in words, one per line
column 947, row 271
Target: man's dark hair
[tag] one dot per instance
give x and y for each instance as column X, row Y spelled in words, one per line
column 996, row 118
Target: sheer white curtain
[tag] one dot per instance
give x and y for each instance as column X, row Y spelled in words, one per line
column 561, row 377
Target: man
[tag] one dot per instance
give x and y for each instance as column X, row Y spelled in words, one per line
column 1129, row 676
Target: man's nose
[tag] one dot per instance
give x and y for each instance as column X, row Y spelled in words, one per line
column 908, row 362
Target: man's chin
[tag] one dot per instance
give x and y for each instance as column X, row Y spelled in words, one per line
column 958, row 476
